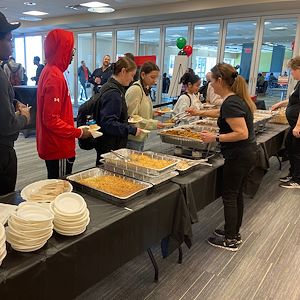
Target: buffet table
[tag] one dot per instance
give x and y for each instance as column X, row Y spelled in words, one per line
column 67, row 266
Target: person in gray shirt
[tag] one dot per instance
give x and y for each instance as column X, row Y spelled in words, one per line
column 11, row 120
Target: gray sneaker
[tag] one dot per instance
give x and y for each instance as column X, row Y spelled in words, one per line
column 290, row 185
column 221, row 233
column 285, row 179
column 223, row 243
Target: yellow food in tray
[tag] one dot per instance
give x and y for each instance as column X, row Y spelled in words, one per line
column 185, row 133
column 113, row 185
column 149, row 162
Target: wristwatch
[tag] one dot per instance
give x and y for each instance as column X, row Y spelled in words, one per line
column 218, row 138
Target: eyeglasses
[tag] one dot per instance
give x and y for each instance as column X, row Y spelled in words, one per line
column 74, row 51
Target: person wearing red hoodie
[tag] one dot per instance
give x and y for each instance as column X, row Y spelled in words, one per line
column 55, row 131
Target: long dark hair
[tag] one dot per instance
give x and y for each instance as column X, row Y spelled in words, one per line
column 235, row 82
column 147, row 68
column 189, row 78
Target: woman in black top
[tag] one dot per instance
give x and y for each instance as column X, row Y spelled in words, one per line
column 238, row 146
column 293, row 136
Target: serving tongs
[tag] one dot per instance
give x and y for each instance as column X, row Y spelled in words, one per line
column 179, row 116
column 120, row 156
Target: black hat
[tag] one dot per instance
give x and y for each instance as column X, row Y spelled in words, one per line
column 5, row 26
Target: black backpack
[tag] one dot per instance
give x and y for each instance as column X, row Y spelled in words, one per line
column 91, row 108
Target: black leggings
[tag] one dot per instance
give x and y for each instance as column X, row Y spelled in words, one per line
column 293, row 148
column 235, row 172
column 8, row 169
column 59, row 168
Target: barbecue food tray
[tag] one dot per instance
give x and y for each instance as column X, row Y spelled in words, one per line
column 186, row 136
column 154, row 180
column 112, row 197
column 129, row 162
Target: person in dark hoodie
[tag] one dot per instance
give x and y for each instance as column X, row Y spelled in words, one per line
column 11, row 122
column 14, row 72
column 112, row 109
column 55, row 131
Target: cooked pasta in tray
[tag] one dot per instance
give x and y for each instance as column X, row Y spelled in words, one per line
column 108, row 186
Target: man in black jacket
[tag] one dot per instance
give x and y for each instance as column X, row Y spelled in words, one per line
column 101, row 75
column 10, row 121
column 40, row 67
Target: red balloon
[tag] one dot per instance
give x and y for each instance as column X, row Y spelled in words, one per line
column 188, row 50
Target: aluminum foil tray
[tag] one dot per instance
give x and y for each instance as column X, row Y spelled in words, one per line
column 154, row 180
column 75, row 178
column 185, row 141
column 111, row 159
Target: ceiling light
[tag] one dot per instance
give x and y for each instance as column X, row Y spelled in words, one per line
column 200, row 27
column 31, row 19
column 279, row 28
column 94, row 4
column 30, row 3
column 101, row 10
column 267, row 23
column 35, row 13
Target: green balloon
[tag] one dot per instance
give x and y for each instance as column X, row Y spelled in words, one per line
column 181, row 42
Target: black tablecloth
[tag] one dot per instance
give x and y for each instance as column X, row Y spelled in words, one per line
column 67, row 266
column 203, row 186
column 27, row 95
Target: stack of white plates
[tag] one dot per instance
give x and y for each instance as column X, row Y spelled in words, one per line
column 71, row 215
column 30, row 227
column 2, row 244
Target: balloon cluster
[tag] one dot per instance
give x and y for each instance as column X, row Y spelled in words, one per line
column 184, row 48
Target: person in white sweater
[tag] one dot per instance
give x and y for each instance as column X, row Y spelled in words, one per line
column 139, row 104
column 189, row 98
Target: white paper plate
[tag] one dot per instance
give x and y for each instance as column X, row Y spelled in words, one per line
column 34, row 213
column 16, row 239
column 29, row 225
column 96, row 134
column 2, row 256
column 2, row 232
column 71, row 226
column 66, row 233
column 72, row 220
column 28, row 248
column 165, row 111
column 132, row 120
column 30, row 232
column 145, row 130
column 94, row 128
column 69, row 204
column 36, row 186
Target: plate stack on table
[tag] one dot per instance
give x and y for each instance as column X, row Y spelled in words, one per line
column 71, row 215
column 149, row 167
column 2, row 244
column 30, row 227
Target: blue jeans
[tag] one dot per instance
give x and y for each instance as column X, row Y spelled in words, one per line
column 134, row 145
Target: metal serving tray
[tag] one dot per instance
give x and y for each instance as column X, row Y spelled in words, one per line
column 185, row 141
column 95, row 172
column 111, row 159
column 154, row 180
column 193, row 163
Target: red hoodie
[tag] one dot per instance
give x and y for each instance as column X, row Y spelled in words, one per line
column 55, row 131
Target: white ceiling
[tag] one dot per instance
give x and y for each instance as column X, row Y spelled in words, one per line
column 137, row 11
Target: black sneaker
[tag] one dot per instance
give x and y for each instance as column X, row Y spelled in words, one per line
column 290, row 185
column 223, row 243
column 221, row 233
column 285, row 179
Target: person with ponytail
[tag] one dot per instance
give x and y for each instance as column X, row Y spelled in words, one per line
column 189, row 97
column 238, row 146
column 139, row 103
column 112, row 114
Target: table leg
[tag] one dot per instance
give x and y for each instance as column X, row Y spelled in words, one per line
column 180, row 255
column 154, row 263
